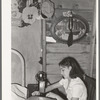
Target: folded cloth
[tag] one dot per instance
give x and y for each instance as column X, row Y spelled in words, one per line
column 18, row 92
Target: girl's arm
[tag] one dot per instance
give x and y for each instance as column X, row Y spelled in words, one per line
column 49, row 88
column 53, row 86
column 53, row 95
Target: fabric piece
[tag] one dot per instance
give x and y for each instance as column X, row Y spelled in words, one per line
column 29, row 14
column 64, row 82
column 18, row 92
column 47, row 9
column 70, row 39
column 76, row 88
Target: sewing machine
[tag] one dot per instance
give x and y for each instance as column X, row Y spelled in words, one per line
column 41, row 77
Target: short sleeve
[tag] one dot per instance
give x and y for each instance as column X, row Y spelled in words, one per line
column 61, row 81
column 64, row 82
column 77, row 91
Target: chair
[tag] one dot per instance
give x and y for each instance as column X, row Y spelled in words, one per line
column 91, row 87
column 18, row 68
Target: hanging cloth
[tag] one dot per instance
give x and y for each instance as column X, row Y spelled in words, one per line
column 29, row 14
column 47, row 9
column 70, row 26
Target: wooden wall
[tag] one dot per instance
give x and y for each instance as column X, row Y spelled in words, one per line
column 81, row 50
column 56, row 52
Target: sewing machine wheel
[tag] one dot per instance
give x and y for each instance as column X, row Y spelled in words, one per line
column 40, row 98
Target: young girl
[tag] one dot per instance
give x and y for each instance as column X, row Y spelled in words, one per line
column 72, row 81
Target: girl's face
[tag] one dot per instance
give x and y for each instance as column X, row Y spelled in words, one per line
column 65, row 71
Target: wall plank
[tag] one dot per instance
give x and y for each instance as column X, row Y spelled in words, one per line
column 75, row 48
column 55, row 70
column 85, row 13
column 54, row 78
column 56, row 57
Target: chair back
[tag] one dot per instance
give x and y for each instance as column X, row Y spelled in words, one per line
column 91, row 87
column 18, row 69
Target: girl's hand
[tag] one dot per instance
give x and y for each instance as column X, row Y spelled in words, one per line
column 53, row 95
column 36, row 93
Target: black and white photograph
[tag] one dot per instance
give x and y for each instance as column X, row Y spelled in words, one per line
column 53, row 50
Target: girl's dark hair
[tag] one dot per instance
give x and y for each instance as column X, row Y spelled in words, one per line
column 76, row 70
